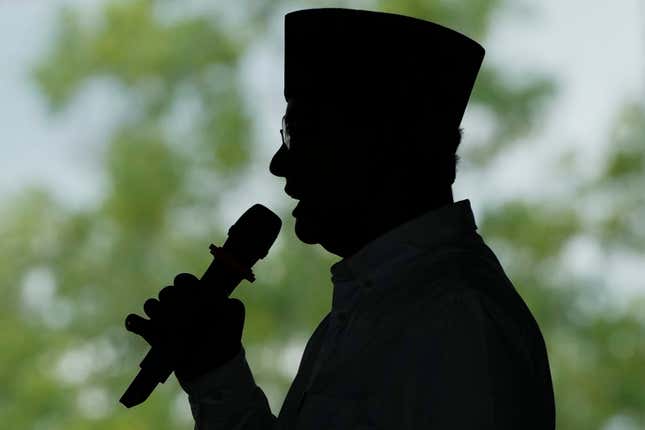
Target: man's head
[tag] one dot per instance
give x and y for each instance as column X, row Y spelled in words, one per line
column 374, row 106
column 359, row 171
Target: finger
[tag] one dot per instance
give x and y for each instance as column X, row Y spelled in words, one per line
column 168, row 294
column 139, row 325
column 238, row 315
column 151, row 307
column 185, row 279
column 237, row 309
column 188, row 296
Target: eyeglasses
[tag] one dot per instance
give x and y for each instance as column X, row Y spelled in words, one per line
column 284, row 132
column 302, row 125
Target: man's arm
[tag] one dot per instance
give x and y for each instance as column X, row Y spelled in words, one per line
column 227, row 398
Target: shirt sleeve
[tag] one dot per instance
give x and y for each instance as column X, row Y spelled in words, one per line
column 228, row 398
column 460, row 374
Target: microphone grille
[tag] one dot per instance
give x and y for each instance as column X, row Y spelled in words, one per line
column 254, row 232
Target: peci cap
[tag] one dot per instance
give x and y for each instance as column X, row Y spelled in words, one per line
column 381, row 59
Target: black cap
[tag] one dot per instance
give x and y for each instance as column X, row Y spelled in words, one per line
column 350, row 54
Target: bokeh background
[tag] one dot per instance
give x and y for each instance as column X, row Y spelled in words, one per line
column 135, row 132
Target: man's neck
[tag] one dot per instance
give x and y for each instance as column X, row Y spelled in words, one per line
column 387, row 218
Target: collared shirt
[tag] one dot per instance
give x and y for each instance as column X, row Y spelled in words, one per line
column 425, row 331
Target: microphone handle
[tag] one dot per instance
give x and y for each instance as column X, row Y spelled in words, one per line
column 224, row 272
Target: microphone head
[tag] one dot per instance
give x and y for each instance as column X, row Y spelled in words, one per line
column 253, row 234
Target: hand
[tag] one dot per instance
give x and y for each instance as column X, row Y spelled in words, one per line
column 195, row 329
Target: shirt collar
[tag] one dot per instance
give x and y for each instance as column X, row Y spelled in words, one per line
column 426, row 231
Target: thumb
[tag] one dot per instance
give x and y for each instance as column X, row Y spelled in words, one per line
column 237, row 314
column 139, row 325
column 237, row 309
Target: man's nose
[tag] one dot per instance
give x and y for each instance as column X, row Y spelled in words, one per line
column 279, row 162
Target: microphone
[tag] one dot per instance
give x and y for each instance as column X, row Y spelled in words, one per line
column 249, row 239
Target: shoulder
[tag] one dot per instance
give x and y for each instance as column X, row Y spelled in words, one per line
column 458, row 303
column 448, row 270
column 464, row 281
column 464, row 319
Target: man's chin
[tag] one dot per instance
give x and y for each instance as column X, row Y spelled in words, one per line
column 305, row 231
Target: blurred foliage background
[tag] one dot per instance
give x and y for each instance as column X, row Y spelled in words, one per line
column 66, row 358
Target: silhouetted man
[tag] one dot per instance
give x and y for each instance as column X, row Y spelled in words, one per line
column 425, row 331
